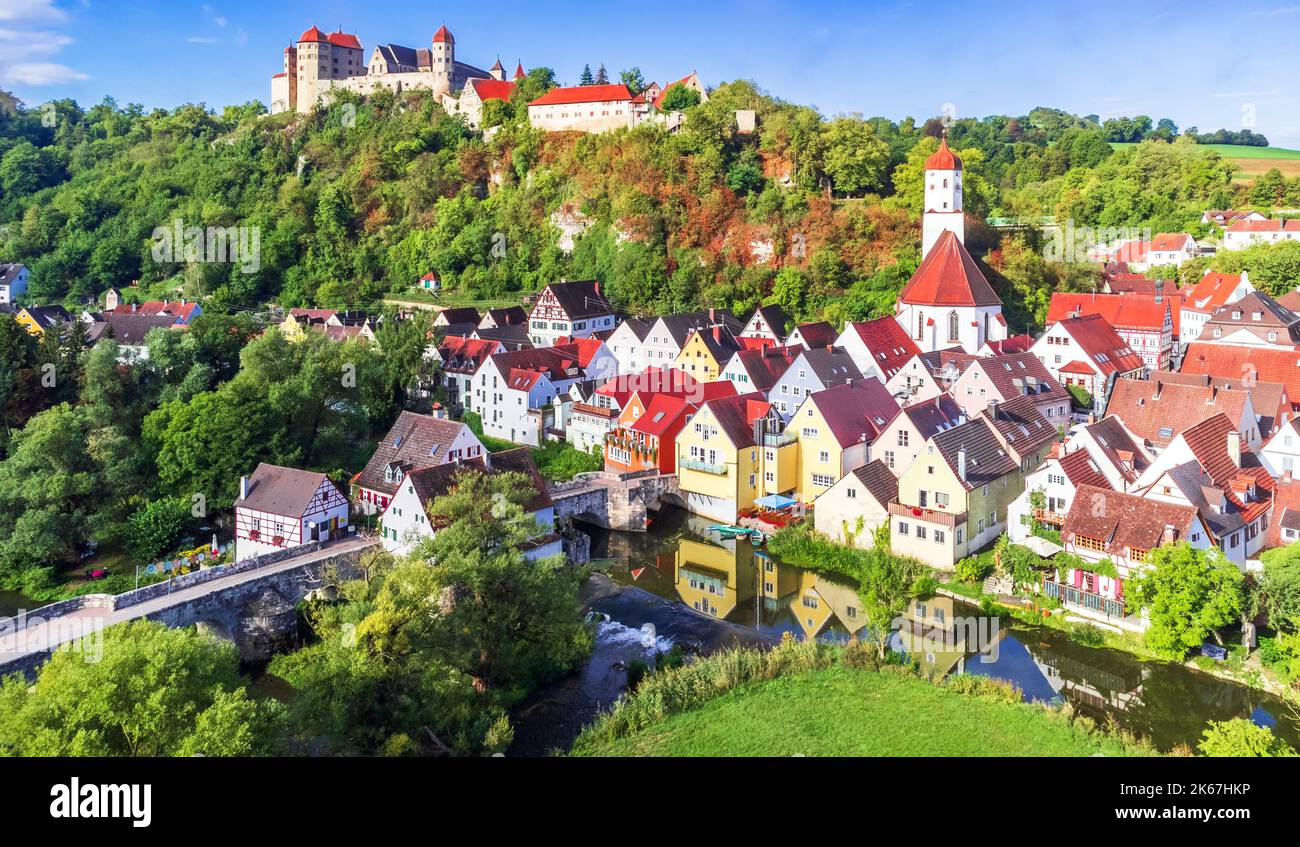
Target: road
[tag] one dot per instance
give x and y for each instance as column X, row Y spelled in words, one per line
column 43, row 636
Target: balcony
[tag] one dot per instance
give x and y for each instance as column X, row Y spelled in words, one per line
column 703, row 467
column 779, row 439
column 1044, row 516
column 1071, row 596
column 933, row 516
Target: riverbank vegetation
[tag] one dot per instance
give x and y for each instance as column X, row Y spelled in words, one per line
column 812, row 699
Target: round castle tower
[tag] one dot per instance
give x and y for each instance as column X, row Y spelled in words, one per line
column 443, row 61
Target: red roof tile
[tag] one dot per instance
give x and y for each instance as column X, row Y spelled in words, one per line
column 943, row 159
column 890, row 345
column 443, row 35
column 1211, row 292
column 584, row 94
column 1121, row 311
column 1157, row 411
column 1108, row 352
column 492, row 89
column 949, row 277
column 1240, row 363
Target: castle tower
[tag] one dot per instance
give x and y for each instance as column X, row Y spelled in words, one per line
column 943, row 209
column 291, row 74
column 443, row 61
column 498, row 72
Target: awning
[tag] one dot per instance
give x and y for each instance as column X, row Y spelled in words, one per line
column 776, row 501
column 1041, row 546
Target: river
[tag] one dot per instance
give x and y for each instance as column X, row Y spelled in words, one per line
column 703, row 593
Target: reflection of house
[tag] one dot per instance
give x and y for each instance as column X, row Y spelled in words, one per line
column 930, row 636
column 281, row 508
column 1079, row 676
column 715, row 580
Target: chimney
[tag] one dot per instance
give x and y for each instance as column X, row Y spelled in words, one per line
column 1160, row 290
column 993, row 410
column 1168, row 537
column 717, row 334
column 243, row 488
column 1234, row 447
column 961, row 463
column 712, row 316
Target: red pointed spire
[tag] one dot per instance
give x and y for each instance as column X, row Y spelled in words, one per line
column 519, row 71
column 943, row 159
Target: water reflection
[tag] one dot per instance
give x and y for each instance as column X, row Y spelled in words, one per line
column 731, row 580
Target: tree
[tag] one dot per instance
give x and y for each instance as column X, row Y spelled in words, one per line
column 602, row 76
column 855, row 158
column 1189, row 595
column 586, row 78
column 1280, row 586
column 153, row 527
column 155, row 691
column 679, row 98
column 633, row 79
column 886, row 585
column 1241, row 738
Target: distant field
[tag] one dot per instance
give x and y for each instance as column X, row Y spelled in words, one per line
column 1253, row 161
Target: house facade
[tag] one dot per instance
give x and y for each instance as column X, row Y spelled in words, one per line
column 719, row 462
column 852, row 509
column 13, row 282
column 414, row 441
column 282, row 508
column 814, row 370
column 569, row 310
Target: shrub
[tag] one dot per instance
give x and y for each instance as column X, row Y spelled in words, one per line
column 972, row 569
column 1241, row 738
column 984, row 687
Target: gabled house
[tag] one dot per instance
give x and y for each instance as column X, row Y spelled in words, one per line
column 759, row 370
column 1271, row 403
column 1148, row 323
column 1280, row 455
column 1117, row 452
column 720, row 462
column 458, row 316
column 569, row 310
column 953, row 499
column 811, row 335
column 1003, row 378
column 1156, row 411
column 281, row 508
column 851, row 510
column 414, row 441
column 927, row 375
column 650, row 442
column 1088, row 353
column 903, row 438
column 949, row 302
column 627, row 343
column 814, row 370
column 589, row 417
column 1242, row 234
column 836, row 429
column 1014, row 344
column 769, row 325
column 1256, row 320
column 408, row 519
column 13, row 282
column 1171, row 248
column 460, row 358
column 706, row 352
column 129, row 331
column 1057, row 480
column 185, row 311
column 1120, row 530
column 879, row 347
column 1205, row 297
column 503, row 317
column 668, row 334
column 1246, row 365
column 1227, row 217
column 38, row 319
column 514, row 391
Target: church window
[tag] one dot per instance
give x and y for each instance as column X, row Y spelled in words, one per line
column 953, row 330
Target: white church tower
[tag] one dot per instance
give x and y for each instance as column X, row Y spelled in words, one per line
column 943, row 212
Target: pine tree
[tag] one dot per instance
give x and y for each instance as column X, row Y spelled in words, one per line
column 602, row 78
column 586, row 78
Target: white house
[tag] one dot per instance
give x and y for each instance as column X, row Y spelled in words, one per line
column 948, row 301
column 627, row 343
column 1201, row 300
column 414, row 441
column 1171, row 248
column 663, row 343
column 851, row 510
column 281, row 508
column 768, row 324
column 1088, row 353
column 513, row 390
column 1244, row 233
column 879, row 347
column 13, row 282
column 407, row 520
column 1280, row 455
column 1057, row 479
column 569, row 310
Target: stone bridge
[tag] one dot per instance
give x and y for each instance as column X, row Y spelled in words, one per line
column 251, row 603
column 615, row 501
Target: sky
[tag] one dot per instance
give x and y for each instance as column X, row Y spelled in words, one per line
column 1205, row 64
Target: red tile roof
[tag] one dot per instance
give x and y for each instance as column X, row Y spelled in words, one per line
column 890, row 345
column 856, row 411
column 181, row 309
column 462, row 354
column 661, row 413
column 1121, row 311
column 1259, row 363
column 443, row 35
column 1108, row 352
column 519, row 71
column 736, row 416
column 1208, row 441
column 492, row 89
column 943, row 159
column 1210, row 293
column 1168, row 241
column 1124, row 520
column 659, row 99
column 1014, row 344
column 1080, row 469
column 584, row 94
column 949, row 277
column 818, row 334
column 1157, row 411
column 1274, row 225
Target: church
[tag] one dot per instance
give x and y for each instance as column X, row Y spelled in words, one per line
column 948, row 302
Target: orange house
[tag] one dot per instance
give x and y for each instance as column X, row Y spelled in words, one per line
column 649, row 444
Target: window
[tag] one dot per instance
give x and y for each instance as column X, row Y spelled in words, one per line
column 953, row 328
column 851, row 493
column 920, row 532
column 938, row 536
column 941, row 499
column 902, row 528
column 902, row 438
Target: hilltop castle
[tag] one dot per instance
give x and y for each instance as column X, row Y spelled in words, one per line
column 320, row 62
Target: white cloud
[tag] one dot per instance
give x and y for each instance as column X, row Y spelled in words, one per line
column 202, row 39
column 39, row 73
column 25, row 52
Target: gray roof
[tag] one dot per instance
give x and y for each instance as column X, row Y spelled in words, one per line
column 879, row 481
column 9, row 272
column 1219, row 514
column 131, row 329
column 681, row 325
column 986, row 461
column 286, row 492
column 832, row 366
column 414, row 441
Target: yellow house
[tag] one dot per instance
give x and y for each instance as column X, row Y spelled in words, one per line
column 37, row 319
column 705, row 353
column 953, row 499
column 836, row 428
column 719, row 460
column 930, row 635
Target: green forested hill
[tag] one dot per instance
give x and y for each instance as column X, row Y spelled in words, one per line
column 361, row 199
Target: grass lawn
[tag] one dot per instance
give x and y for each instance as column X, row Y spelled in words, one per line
column 844, row 712
column 1252, row 160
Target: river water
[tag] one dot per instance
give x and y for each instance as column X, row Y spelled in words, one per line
column 703, row 593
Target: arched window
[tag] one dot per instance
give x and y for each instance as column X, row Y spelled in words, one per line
column 953, row 334
column 920, row 326
column 945, row 183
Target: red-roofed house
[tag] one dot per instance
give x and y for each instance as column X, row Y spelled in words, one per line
column 460, row 358
column 1087, row 352
column 583, row 108
column 836, row 429
column 1243, row 234
column 722, row 456
column 651, row 442
column 185, row 311
column 1147, row 323
column 477, row 92
column 759, row 370
column 878, row 347
column 1206, row 296
column 513, row 392
column 948, row 301
column 1253, row 364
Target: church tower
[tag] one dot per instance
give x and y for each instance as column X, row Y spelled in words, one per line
column 443, row 60
column 943, row 211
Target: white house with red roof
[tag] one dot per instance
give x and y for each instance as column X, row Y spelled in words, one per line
column 1206, row 296
column 948, row 301
column 184, row 311
column 514, row 392
column 879, row 347
column 1087, row 352
column 1146, row 322
column 582, row 108
column 1245, row 233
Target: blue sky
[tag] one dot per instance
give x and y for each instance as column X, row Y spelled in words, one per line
column 1204, row 64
